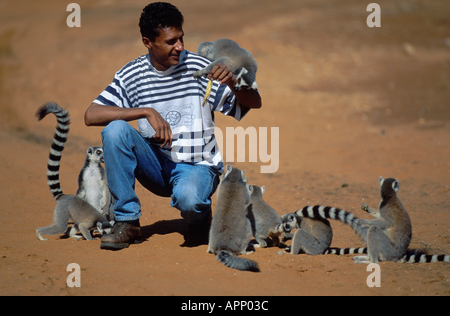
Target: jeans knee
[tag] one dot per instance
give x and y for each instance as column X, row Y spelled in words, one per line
column 191, row 206
column 186, row 201
column 115, row 130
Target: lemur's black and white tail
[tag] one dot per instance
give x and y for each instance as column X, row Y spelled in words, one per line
column 59, row 139
column 243, row 264
column 328, row 212
column 345, row 251
column 420, row 257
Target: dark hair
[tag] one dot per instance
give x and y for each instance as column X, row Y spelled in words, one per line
column 159, row 15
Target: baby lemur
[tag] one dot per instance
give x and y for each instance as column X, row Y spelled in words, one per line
column 231, row 231
column 93, row 186
column 237, row 59
column 83, row 214
column 387, row 236
column 263, row 219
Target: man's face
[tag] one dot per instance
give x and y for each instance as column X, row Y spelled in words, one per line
column 165, row 51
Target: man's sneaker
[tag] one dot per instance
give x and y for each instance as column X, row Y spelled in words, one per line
column 122, row 235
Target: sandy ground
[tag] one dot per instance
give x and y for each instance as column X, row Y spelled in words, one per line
column 351, row 103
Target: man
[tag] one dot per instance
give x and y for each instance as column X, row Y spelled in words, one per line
column 174, row 152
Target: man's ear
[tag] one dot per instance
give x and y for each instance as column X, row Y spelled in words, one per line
column 147, row 42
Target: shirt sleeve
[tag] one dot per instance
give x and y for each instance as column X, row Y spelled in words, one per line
column 226, row 103
column 115, row 94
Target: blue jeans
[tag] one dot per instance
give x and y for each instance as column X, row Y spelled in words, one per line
column 129, row 156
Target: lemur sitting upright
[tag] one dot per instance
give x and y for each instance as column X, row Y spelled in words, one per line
column 93, row 186
column 387, row 236
column 263, row 218
column 83, row 214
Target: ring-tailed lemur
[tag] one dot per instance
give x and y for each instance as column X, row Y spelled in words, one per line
column 83, row 214
column 387, row 236
column 231, row 231
column 263, row 219
column 227, row 52
column 313, row 236
column 93, row 186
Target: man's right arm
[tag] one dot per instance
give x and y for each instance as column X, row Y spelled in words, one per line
column 102, row 115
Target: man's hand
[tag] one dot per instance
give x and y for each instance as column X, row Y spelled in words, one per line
column 222, row 74
column 102, row 115
column 249, row 98
column 161, row 127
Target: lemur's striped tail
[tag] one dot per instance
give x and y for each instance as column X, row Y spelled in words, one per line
column 420, row 257
column 345, row 251
column 239, row 263
column 328, row 212
column 59, row 139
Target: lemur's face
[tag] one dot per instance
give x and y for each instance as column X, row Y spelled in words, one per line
column 289, row 222
column 95, row 154
column 206, row 49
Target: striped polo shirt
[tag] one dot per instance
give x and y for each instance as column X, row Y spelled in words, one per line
column 177, row 96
